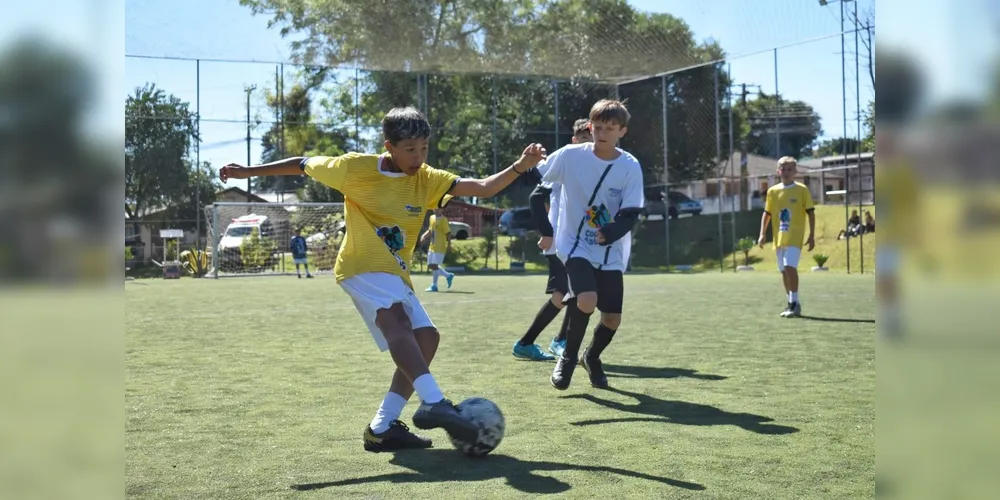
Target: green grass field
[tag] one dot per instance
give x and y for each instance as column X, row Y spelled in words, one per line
column 261, row 387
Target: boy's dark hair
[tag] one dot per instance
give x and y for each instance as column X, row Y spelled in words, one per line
column 900, row 87
column 610, row 111
column 401, row 124
column 580, row 126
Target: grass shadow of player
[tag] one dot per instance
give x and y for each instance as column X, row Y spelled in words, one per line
column 440, row 465
column 460, row 292
column 627, row 371
column 838, row 320
column 679, row 412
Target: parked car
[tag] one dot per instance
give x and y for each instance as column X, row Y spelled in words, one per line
column 516, row 222
column 459, row 230
column 678, row 204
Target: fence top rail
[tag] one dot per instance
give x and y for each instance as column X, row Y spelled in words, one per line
column 274, row 204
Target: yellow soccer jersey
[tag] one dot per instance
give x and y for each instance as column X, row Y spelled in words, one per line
column 788, row 206
column 439, row 238
column 897, row 191
column 384, row 211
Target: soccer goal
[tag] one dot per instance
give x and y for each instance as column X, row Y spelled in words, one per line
column 253, row 239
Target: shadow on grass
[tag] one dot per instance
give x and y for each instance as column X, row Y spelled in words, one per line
column 679, row 412
column 441, row 465
column 627, row 371
column 838, row 320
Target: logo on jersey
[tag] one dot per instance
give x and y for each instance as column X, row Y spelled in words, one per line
column 395, row 240
column 414, row 210
column 598, row 216
column 784, row 219
column 614, row 193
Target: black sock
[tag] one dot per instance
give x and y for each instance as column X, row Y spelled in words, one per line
column 578, row 321
column 569, row 304
column 602, row 337
column 542, row 319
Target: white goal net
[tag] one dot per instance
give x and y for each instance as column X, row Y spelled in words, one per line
column 252, row 239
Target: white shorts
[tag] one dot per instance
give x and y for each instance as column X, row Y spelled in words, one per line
column 886, row 260
column 435, row 258
column 373, row 291
column 303, row 260
column 788, row 257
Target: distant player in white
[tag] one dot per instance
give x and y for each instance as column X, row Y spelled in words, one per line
column 557, row 286
column 600, row 202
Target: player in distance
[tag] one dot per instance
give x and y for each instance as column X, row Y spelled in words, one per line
column 438, row 234
column 386, row 199
column 601, row 198
column 793, row 204
column 558, row 286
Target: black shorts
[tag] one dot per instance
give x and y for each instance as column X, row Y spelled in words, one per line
column 557, row 276
column 609, row 285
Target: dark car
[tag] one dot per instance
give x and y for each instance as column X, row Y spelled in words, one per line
column 516, row 222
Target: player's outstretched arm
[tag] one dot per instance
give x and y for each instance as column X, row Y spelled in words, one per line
column 490, row 186
column 288, row 166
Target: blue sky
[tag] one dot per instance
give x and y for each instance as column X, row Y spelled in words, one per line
column 810, row 72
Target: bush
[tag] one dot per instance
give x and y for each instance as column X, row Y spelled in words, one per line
column 820, row 259
column 129, row 256
column 195, row 262
column 745, row 245
column 257, row 252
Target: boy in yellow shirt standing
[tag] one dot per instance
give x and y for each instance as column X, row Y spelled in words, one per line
column 792, row 203
column 439, row 235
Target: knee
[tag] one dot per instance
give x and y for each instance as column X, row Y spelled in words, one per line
column 611, row 320
column 428, row 339
column 586, row 302
column 557, row 299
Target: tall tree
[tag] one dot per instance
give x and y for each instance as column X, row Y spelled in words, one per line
column 837, row 146
column 159, row 131
column 772, row 120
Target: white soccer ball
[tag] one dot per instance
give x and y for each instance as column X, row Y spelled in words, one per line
column 487, row 415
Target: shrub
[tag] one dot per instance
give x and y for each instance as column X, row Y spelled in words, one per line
column 820, row 259
column 745, row 245
column 257, row 252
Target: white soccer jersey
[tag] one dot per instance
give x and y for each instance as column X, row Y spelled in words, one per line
column 554, row 195
column 592, row 192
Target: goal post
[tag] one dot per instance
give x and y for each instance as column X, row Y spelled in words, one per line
column 253, row 239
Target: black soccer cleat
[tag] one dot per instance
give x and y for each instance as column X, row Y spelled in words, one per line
column 445, row 416
column 397, row 437
column 595, row 369
column 563, row 373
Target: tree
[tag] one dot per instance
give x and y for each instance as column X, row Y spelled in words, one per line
column 868, row 143
column 576, row 41
column 836, row 147
column 159, row 131
column 796, row 121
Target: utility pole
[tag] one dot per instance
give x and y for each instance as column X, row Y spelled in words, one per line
column 249, row 90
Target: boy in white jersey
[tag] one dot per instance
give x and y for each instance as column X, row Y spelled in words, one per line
column 558, row 285
column 386, row 197
column 600, row 202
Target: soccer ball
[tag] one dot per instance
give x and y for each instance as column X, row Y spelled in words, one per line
column 487, row 415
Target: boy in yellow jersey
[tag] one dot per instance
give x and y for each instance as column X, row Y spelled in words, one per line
column 792, row 204
column 439, row 234
column 386, row 198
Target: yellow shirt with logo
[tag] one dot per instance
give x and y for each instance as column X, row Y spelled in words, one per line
column 897, row 189
column 439, row 236
column 788, row 206
column 384, row 211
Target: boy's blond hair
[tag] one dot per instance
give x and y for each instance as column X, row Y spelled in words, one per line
column 787, row 160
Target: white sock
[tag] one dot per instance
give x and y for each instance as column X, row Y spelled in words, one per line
column 434, row 277
column 427, row 389
column 391, row 409
column 793, row 296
